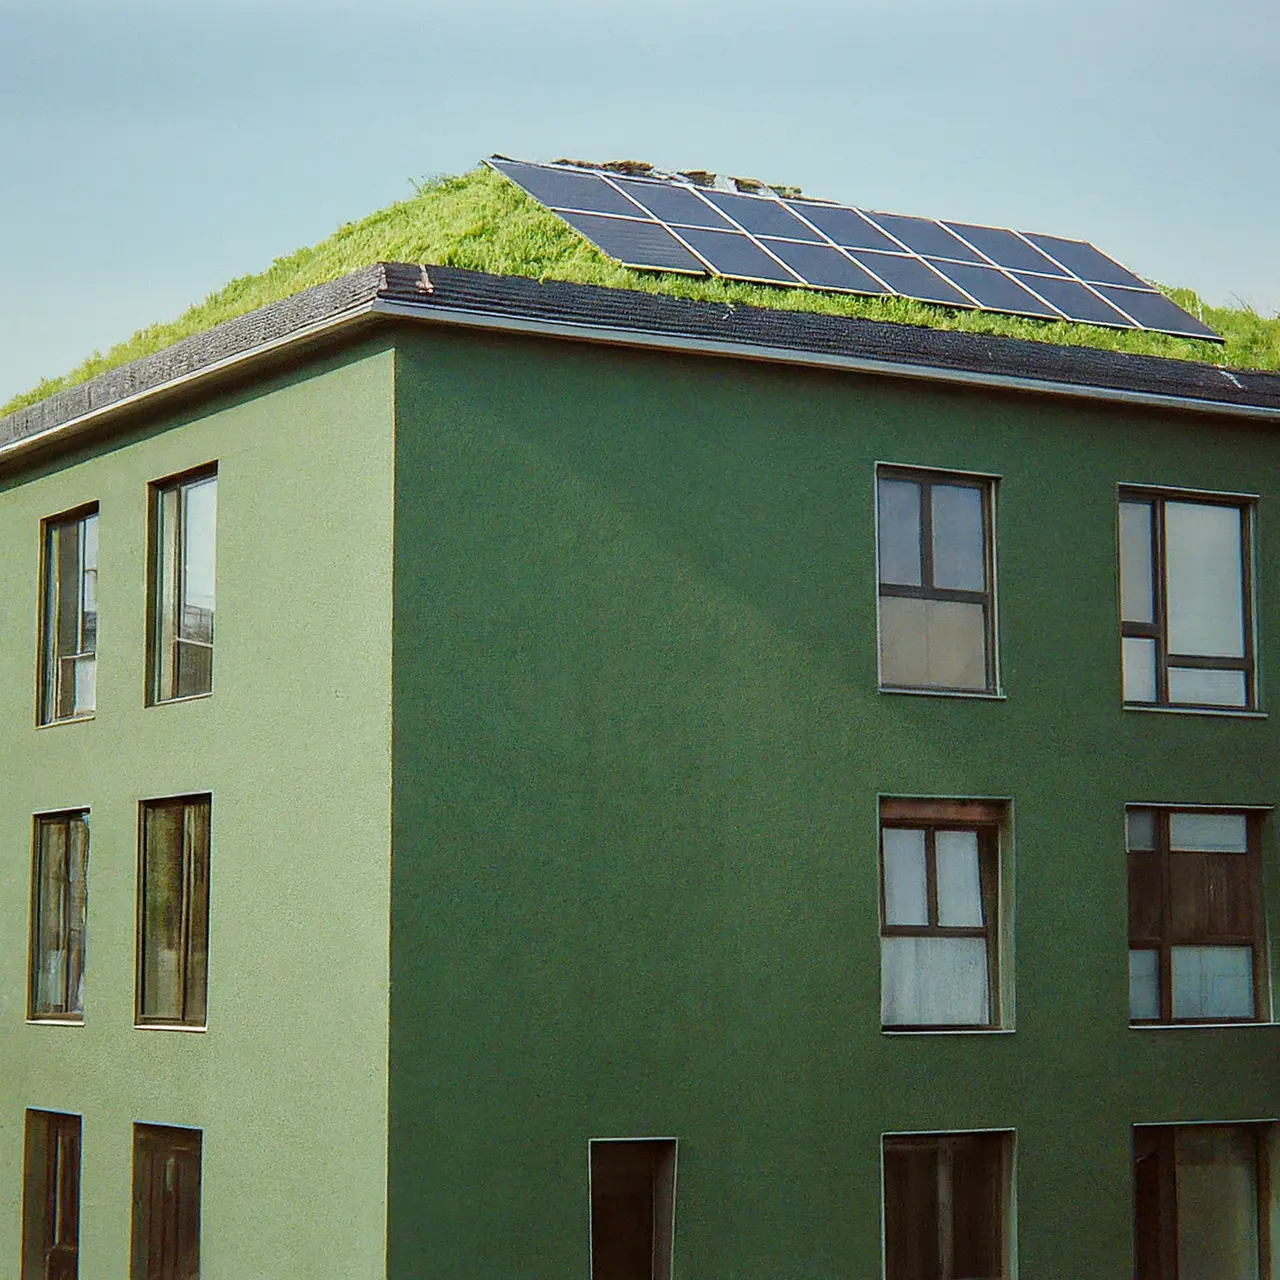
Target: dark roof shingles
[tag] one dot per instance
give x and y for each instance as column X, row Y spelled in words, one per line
column 592, row 306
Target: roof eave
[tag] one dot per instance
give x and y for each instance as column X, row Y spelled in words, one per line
column 622, row 336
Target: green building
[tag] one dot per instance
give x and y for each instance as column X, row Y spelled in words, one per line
column 665, row 790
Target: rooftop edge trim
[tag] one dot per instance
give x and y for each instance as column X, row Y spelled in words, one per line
column 593, row 313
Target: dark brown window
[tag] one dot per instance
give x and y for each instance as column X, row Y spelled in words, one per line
column 939, row 895
column 183, row 528
column 633, row 1183
column 59, row 896
column 51, row 1197
column 946, row 1198
column 1186, row 600
column 166, row 1203
column 1202, row 1202
column 69, row 618
column 1196, row 927
column 937, row 581
column 173, row 911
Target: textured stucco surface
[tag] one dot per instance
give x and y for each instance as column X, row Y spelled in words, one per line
column 289, row 1081
column 638, row 750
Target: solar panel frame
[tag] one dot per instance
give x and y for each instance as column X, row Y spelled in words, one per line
column 875, row 248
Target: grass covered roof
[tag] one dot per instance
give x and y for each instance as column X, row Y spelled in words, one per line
column 483, row 222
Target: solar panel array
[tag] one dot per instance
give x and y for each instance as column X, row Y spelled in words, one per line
column 659, row 224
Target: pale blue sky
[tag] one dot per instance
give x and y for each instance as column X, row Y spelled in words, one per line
column 149, row 151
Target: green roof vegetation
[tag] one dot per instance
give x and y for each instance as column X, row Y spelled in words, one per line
column 481, row 221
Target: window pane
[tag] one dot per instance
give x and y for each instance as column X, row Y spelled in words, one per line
column 937, row 644
column 911, row 1234
column 1136, row 594
column 1139, row 657
column 1207, row 688
column 1209, row 832
column 1140, row 828
column 198, row 549
column 959, row 883
column 49, row 955
column 51, row 1197
column 1213, row 982
column 84, row 684
column 906, row 896
column 1217, row 1191
column 934, row 981
column 899, row 532
column 959, row 545
column 1203, row 565
column 163, row 905
column 977, row 1205
column 1144, row 984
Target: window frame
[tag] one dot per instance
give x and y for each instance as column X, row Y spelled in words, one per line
column 944, row 1143
column 988, row 819
column 164, row 639
column 666, row 1152
column 1157, row 497
column 198, row 1019
column 51, row 1178
column 50, row 661
column 39, row 822
column 1159, row 1142
column 988, row 485
column 1166, row 941
column 161, row 1142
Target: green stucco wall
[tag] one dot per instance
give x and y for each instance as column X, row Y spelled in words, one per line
column 289, row 1081
column 638, row 748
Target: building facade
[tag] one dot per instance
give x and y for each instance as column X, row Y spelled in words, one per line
column 685, row 794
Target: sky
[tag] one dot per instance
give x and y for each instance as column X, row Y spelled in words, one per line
column 151, row 152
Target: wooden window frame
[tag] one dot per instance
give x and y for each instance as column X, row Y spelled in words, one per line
column 986, row 818
column 665, row 1153
column 926, row 478
column 1158, row 1142
column 152, row 1143
column 165, row 547
column 1157, row 630
column 51, row 683
column 1165, row 939
column 71, row 928
column 944, row 1145
column 51, row 1196
column 194, row 924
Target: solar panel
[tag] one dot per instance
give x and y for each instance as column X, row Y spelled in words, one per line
column 662, row 223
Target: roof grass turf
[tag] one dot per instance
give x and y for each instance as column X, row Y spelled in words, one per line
column 481, row 221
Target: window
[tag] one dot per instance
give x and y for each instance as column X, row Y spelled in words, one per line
column 939, row 882
column 937, row 576
column 51, row 1197
column 69, row 621
column 184, row 520
column 59, row 897
column 1202, row 1201
column 166, row 1203
column 946, row 1198
column 633, row 1184
column 173, row 912
column 1186, row 603
column 1196, row 933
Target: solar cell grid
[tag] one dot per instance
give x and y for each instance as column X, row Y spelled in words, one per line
column 994, row 290
column 763, row 217
column 929, row 239
column 677, row 205
column 845, row 226
column 635, row 242
column 668, row 224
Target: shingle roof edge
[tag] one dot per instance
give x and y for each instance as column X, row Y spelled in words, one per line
column 592, row 309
